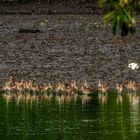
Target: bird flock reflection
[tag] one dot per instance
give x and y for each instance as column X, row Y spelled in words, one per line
column 62, row 99
column 68, row 92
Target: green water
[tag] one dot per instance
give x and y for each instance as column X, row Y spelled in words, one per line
column 112, row 117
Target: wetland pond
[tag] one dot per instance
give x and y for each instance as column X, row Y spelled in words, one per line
column 75, row 117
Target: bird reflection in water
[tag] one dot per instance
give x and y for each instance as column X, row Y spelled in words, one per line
column 47, row 97
column 102, row 99
column 75, row 98
column 85, row 100
column 20, row 98
column 60, row 99
column 119, row 99
column 133, row 99
column 8, row 97
column 68, row 98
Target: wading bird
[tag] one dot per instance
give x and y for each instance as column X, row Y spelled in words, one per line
column 85, row 88
column 131, row 86
column 119, row 88
column 102, row 88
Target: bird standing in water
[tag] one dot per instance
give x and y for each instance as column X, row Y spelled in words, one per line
column 85, row 88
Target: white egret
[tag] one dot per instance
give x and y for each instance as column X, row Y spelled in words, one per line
column 133, row 66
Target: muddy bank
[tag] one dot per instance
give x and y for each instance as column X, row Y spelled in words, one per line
column 70, row 47
column 51, row 7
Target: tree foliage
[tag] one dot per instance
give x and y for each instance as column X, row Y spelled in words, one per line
column 121, row 13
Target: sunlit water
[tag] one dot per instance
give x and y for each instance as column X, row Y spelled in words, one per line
column 47, row 117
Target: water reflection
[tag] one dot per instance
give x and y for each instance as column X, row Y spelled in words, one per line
column 102, row 99
column 59, row 99
column 85, row 100
column 8, row 98
column 119, row 99
column 49, row 116
column 133, row 99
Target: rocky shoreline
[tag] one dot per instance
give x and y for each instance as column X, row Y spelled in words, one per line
column 69, row 47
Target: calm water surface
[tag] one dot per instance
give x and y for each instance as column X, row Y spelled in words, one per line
column 111, row 117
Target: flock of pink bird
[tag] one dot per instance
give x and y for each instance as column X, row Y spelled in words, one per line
column 70, row 88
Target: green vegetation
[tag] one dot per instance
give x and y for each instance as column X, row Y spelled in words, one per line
column 121, row 14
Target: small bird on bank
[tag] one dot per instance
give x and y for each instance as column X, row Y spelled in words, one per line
column 119, row 88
